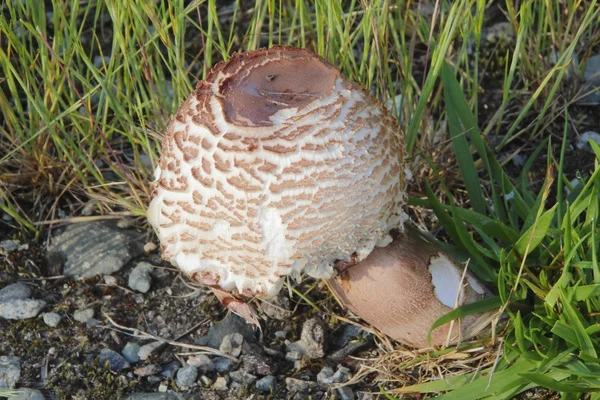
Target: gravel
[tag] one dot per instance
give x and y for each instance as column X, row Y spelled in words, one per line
column 140, row 278
column 51, row 319
column 88, row 249
column 146, row 350
column 130, row 352
column 187, row 376
column 15, row 291
column 116, row 362
column 266, row 384
column 10, row 371
column 83, row 315
column 232, row 344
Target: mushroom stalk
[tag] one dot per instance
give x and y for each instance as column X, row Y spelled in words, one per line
column 278, row 165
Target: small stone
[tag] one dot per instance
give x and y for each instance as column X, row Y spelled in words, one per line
column 345, row 393
column 141, row 278
column 10, row 371
column 299, row 386
column 583, row 142
column 149, row 247
column 365, row 396
column 220, row 384
column 16, row 291
column 94, row 248
column 266, row 384
column 162, row 388
column 327, row 377
column 110, row 280
column 202, row 362
column 186, row 376
column 116, row 362
column 205, row 381
column 281, row 334
column 232, row 344
column 8, row 246
column 312, row 340
column 591, row 77
column 89, row 207
column 169, row 369
column 101, row 61
column 27, row 394
column 255, row 361
column 130, row 352
column 90, row 323
column 21, row 308
column 242, row 377
column 148, row 370
column 231, row 324
column 51, row 319
column 223, row 364
column 124, row 223
column 146, row 350
column 83, row 315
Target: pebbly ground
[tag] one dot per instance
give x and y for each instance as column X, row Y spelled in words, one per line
column 98, row 315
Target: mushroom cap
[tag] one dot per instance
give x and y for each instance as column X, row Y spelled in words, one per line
column 276, row 164
column 415, row 282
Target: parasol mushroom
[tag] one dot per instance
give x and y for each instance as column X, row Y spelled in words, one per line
column 278, row 165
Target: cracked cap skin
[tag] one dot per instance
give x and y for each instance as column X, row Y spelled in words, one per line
column 276, row 165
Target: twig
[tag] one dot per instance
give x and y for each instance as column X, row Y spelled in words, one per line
column 145, row 335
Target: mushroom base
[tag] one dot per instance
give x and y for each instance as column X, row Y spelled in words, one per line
column 403, row 288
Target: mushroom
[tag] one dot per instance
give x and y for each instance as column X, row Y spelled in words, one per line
column 278, row 165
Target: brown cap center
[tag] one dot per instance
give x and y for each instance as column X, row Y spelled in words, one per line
column 252, row 98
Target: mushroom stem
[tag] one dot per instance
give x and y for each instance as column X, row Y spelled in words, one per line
column 403, row 288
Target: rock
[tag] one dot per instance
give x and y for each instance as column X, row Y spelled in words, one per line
column 146, row 350
column 83, row 315
column 10, row 371
column 148, row 370
column 8, row 246
column 365, row 396
column 299, row 386
column 187, row 376
column 242, row 377
column 223, row 364
column 327, row 378
column 583, row 142
column 169, row 369
column 16, row 291
column 312, row 340
column 110, row 280
column 149, row 247
column 116, row 362
column 140, row 277
column 202, row 362
column 232, row 344
column 266, row 384
column 27, row 394
column 94, row 248
column 51, row 319
column 130, row 352
column 231, row 324
column 220, row 384
column 254, row 360
column 345, row 393
column 591, row 78
column 344, row 335
column 21, row 308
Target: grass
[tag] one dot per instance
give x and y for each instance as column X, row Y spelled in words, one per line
column 87, row 88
